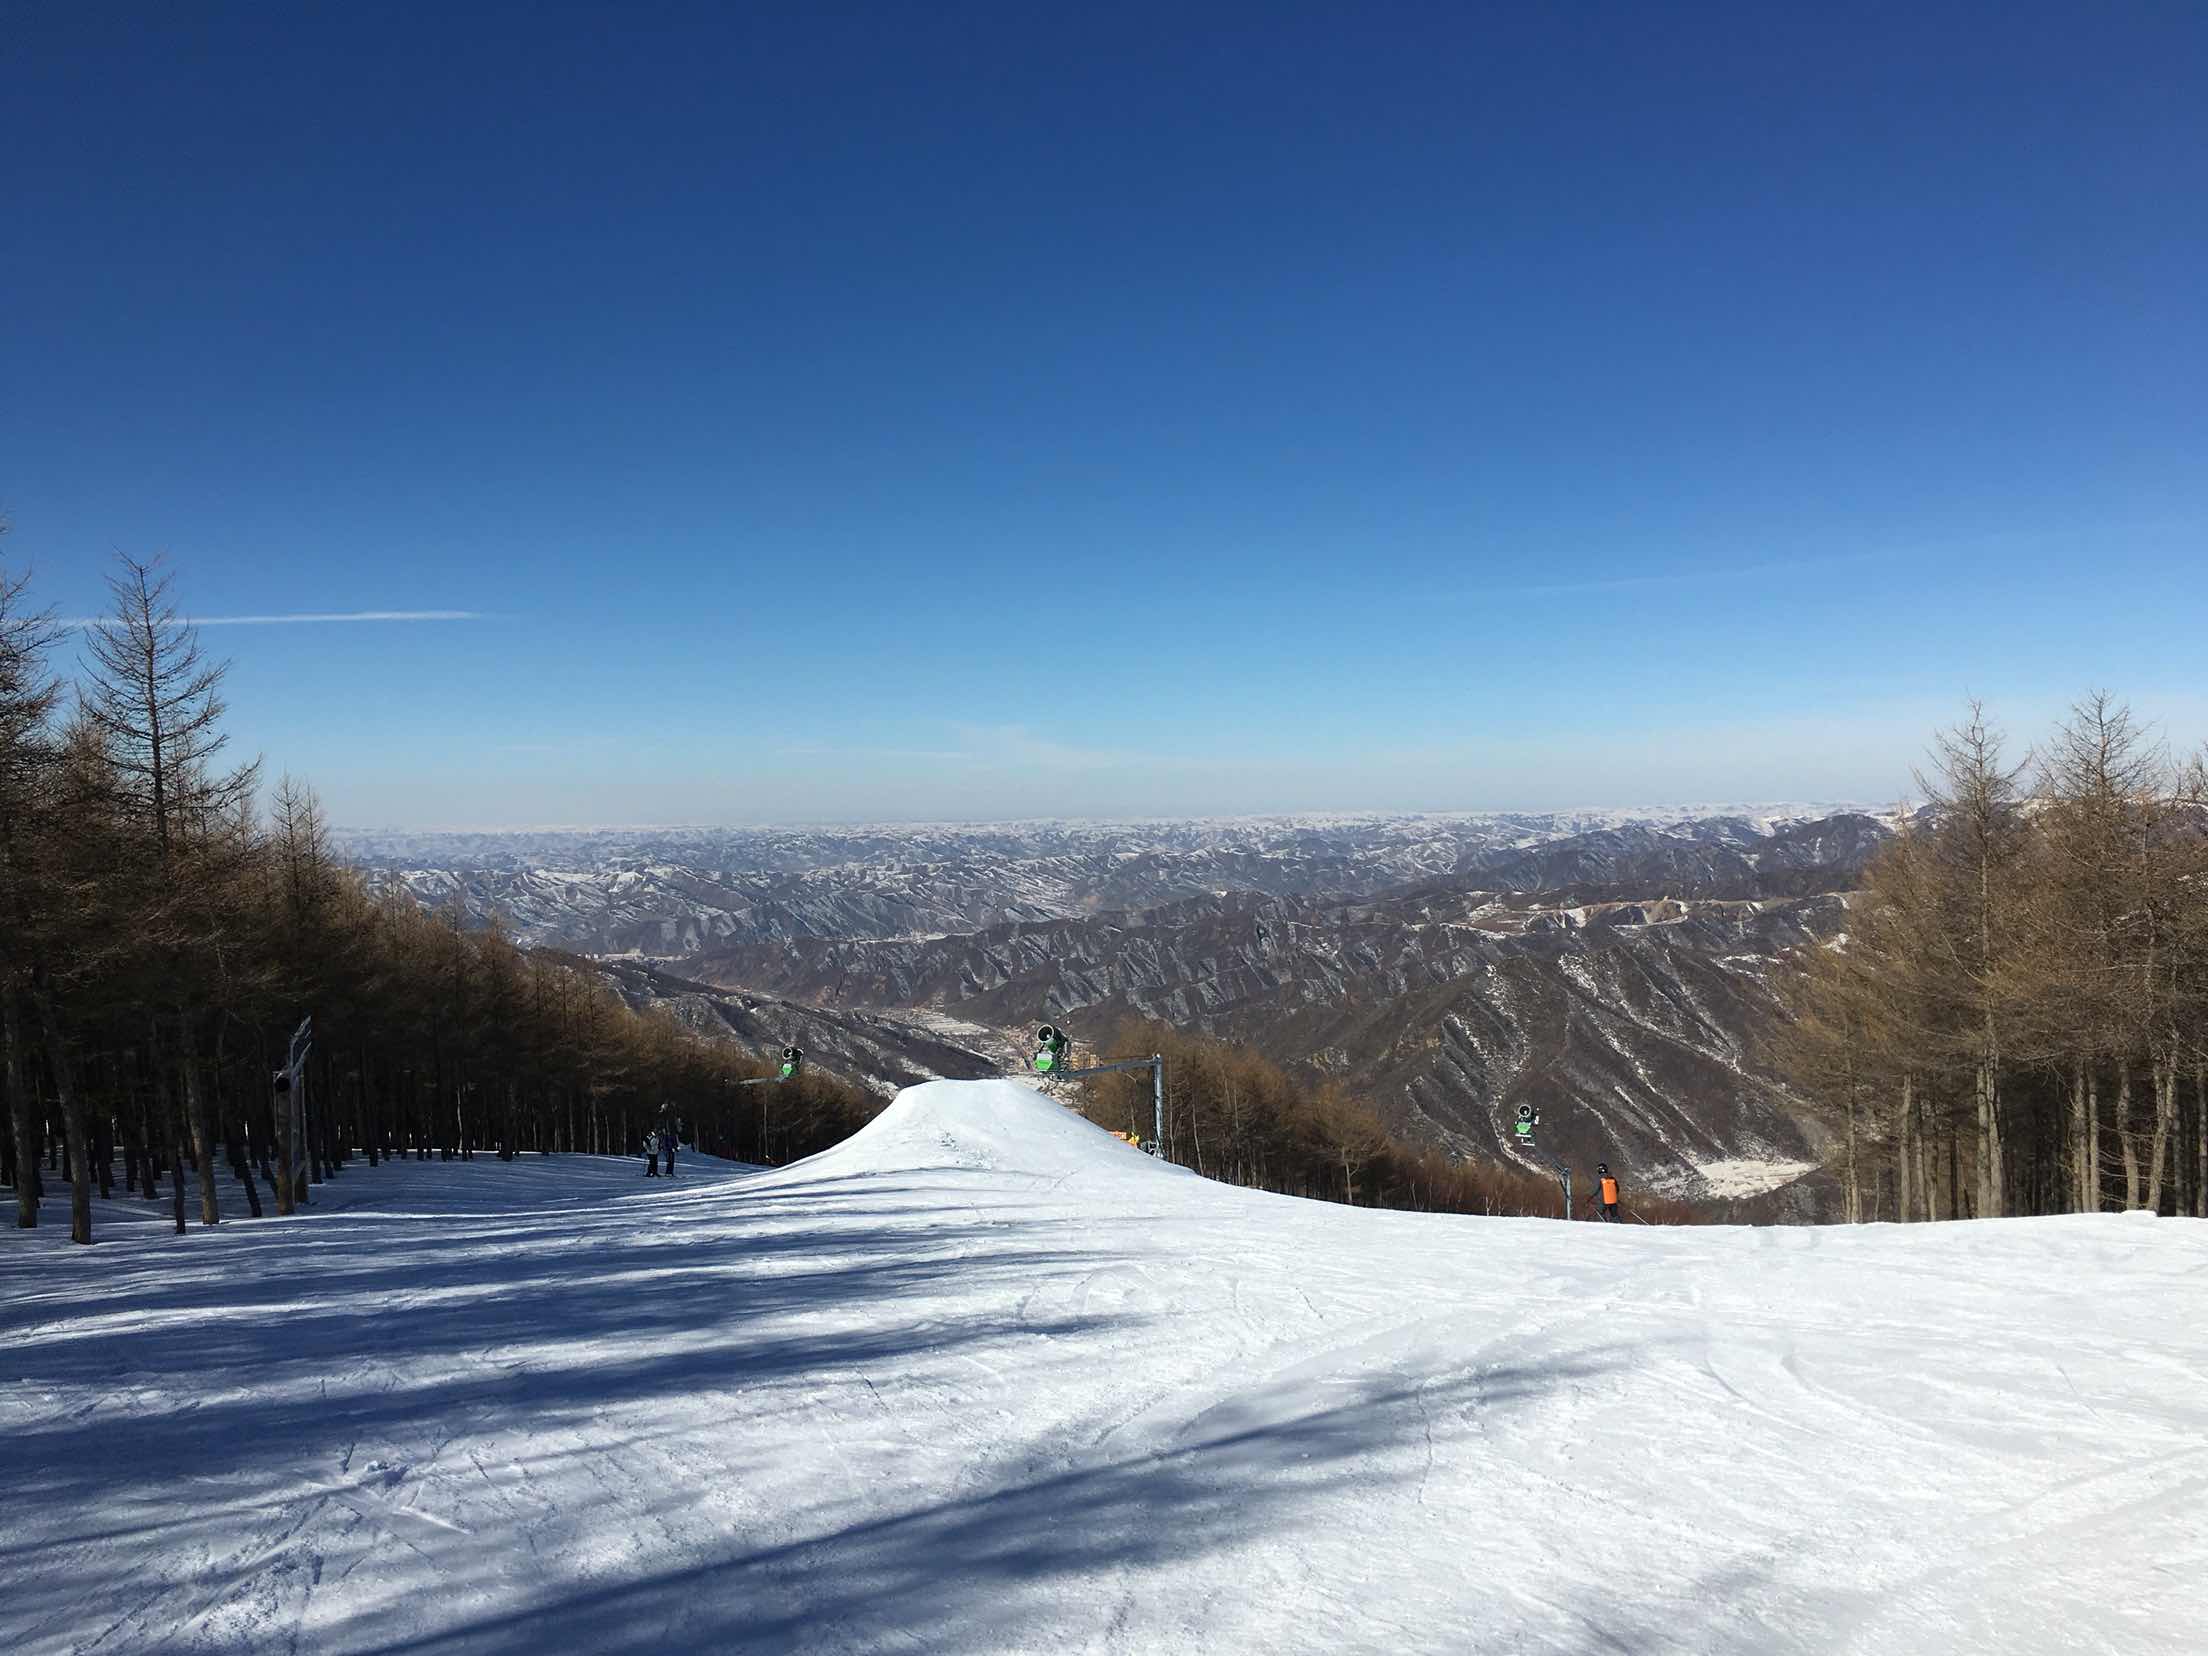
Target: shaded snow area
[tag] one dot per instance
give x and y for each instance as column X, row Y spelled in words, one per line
column 985, row 1379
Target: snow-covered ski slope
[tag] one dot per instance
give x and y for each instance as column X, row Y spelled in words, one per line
column 984, row 1379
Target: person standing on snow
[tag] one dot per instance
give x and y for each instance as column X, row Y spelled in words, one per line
column 1608, row 1188
column 651, row 1155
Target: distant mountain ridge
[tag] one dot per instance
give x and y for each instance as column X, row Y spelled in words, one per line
column 1607, row 967
column 797, row 847
column 1632, row 1026
column 673, row 894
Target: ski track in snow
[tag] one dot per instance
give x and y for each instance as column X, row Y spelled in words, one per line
column 984, row 1379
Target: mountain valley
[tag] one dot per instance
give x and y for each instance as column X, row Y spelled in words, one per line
column 1608, row 968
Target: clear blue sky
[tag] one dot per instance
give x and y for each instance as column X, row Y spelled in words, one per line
column 938, row 410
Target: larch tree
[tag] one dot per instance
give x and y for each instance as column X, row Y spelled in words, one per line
column 1980, row 855
column 2034, row 971
column 28, row 698
column 155, row 697
column 2097, row 787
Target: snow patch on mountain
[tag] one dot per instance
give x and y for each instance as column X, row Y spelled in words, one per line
column 1743, row 1176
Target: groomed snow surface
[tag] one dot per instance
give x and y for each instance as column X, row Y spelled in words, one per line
column 985, row 1379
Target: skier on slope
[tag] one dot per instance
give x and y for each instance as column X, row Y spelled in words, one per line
column 1609, row 1191
column 651, row 1155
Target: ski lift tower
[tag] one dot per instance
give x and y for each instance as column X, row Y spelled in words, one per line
column 1051, row 1046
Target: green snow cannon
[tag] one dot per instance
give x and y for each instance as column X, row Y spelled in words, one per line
column 1050, row 1050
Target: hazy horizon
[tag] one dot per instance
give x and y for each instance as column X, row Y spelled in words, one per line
column 1686, row 810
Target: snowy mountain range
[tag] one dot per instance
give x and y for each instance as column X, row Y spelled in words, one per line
column 672, row 894
column 790, row 849
column 1608, row 966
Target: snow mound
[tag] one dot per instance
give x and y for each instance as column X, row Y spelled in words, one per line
column 984, row 1126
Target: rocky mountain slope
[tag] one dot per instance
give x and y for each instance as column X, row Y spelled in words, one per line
column 883, row 1052
column 1630, row 1026
column 1609, row 968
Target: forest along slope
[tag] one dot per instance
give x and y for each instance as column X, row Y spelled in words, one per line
column 982, row 1378
column 1610, row 971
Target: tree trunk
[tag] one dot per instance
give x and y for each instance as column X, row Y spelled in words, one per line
column 1920, row 1153
column 1987, row 1090
column 2125, row 1136
column 19, row 1114
column 1901, row 1171
column 2165, row 1116
column 1954, row 1167
column 2200, row 1140
column 1920, row 1208
column 2093, row 1139
column 176, row 1176
column 72, row 1116
column 1855, row 1182
column 195, row 1117
column 320, row 1101
column 367, row 1107
column 2081, row 1196
column 243, row 1169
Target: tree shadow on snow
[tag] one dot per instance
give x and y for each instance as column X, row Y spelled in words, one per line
column 232, row 1394
column 246, row 1375
column 1035, row 1565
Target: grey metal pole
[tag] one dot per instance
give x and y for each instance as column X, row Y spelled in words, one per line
column 299, row 1180
column 1155, row 1064
column 1567, row 1193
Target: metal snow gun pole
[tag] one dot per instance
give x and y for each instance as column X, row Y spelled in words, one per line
column 793, row 1065
column 1528, row 1119
column 1051, row 1047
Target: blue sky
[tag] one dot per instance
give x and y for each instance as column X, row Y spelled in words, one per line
column 946, row 411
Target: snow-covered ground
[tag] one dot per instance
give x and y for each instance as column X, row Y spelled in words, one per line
column 984, row 1379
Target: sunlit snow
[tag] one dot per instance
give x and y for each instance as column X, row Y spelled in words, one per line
column 983, row 1378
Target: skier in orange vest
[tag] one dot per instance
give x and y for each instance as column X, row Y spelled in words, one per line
column 1609, row 1192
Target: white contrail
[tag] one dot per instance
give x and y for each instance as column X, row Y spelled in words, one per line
column 334, row 615
column 311, row 617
